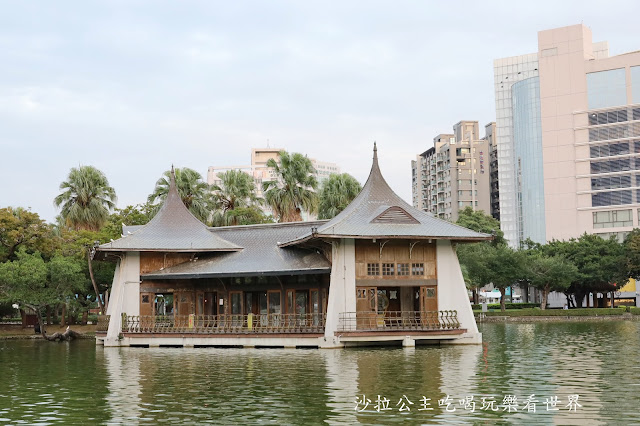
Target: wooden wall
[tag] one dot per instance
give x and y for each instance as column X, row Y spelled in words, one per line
column 395, row 251
column 150, row 262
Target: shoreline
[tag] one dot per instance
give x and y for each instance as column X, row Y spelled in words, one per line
column 554, row 318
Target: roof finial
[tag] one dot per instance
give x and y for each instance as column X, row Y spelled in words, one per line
column 375, row 151
column 172, row 177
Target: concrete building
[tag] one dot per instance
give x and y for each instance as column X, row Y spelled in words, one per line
column 379, row 272
column 455, row 172
column 568, row 123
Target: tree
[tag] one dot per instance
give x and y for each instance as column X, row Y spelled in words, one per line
column 489, row 264
column 34, row 284
column 139, row 214
column 337, row 192
column 600, row 263
column 22, row 228
column 479, row 221
column 235, row 199
column 549, row 273
column 631, row 259
column 293, row 190
column 86, row 199
column 194, row 192
column 241, row 216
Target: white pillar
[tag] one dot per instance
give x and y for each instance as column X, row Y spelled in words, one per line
column 125, row 292
column 342, row 288
column 452, row 292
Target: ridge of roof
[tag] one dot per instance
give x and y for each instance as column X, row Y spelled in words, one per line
column 376, row 196
column 173, row 228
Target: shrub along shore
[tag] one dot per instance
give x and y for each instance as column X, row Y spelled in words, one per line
column 536, row 314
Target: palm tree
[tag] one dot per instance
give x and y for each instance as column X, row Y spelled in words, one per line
column 194, row 192
column 293, row 190
column 336, row 194
column 236, row 192
column 86, row 199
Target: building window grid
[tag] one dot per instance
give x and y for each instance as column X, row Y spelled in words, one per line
column 403, row 269
column 373, row 269
column 417, row 269
column 388, row 269
column 612, row 219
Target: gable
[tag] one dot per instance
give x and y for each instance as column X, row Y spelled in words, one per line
column 395, row 214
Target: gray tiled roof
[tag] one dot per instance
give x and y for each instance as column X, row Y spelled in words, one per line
column 359, row 219
column 260, row 256
column 173, row 229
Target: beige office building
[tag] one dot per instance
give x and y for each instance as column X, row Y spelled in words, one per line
column 454, row 173
column 568, row 122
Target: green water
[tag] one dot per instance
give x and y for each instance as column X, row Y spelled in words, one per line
column 79, row 383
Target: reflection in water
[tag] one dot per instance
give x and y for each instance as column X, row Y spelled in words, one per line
column 78, row 383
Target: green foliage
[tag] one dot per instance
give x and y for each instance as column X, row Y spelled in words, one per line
column 86, row 199
column 599, row 262
column 242, row 216
column 634, row 310
column 236, row 200
column 631, row 259
column 293, row 190
column 580, row 312
column 194, row 192
column 479, row 221
column 548, row 273
column 22, row 228
column 34, row 283
column 139, row 214
column 336, row 194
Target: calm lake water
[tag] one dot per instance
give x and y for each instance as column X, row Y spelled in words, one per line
column 79, row 383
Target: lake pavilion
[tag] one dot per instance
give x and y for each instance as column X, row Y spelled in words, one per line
column 379, row 272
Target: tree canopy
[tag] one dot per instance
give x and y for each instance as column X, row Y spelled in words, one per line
column 86, row 199
column 294, row 189
column 236, row 201
column 194, row 192
column 336, row 194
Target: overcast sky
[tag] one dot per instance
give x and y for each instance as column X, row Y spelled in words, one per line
column 132, row 87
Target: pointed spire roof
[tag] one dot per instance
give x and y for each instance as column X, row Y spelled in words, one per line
column 172, row 229
column 378, row 212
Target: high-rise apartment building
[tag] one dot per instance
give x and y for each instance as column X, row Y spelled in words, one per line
column 455, row 172
column 568, row 124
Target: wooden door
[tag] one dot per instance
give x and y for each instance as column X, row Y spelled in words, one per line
column 185, row 308
column 366, row 306
column 146, row 310
column 429, row 305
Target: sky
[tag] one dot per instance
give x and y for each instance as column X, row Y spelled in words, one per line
column 132, row 87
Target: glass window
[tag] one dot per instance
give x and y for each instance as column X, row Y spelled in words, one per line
column 274, row 302
column 373, row 269
column 612, row 219
column 611, row 198
column 388, row 269
column 606, row 88
column 635, row 85
column 417, row 269
column 403, row 269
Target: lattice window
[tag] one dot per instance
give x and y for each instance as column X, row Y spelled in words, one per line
column 388, row 269
column 417, row 269
column 373, row 269
column 403, row 269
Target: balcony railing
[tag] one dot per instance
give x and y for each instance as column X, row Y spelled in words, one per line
column 225, row 324
column 399, row 321
column 103, row 323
